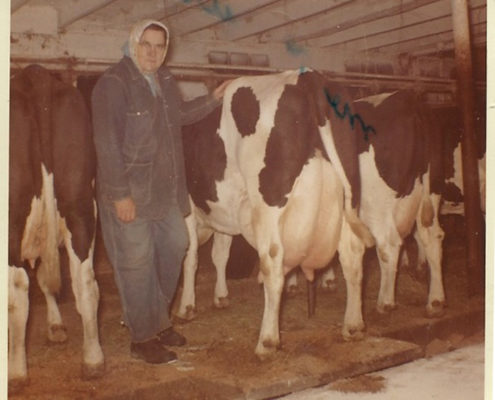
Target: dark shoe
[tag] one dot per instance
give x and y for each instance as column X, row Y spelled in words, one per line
column 152, row 352
column 170, row 337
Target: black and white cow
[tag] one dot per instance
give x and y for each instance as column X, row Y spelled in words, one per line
column 52, row 166
column 402, row 180
column 401, row 184
column 449, row 119
column 260, row 167
column 235, row 172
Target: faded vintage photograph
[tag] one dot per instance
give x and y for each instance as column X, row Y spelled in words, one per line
column 263, row 199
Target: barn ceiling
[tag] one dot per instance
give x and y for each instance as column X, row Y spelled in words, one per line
column 367, row 29
column 389, row 26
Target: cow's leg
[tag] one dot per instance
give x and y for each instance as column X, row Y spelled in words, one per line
column 57, row 332
column 328, row 279
column 351, row 251
column 18, row 315
column 87, row 296
column 431, row 235
column 187, row 302
column 273, row 282
column 388, row 250
column 421, row 264
column 48, row 273
column 291, row 282
column 404, row 258
column 220, row 256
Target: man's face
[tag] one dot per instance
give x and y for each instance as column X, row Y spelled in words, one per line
column 150, row 50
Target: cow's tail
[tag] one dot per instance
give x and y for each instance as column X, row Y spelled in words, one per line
column 351, row 204
column 340, row 143
column 49, row 269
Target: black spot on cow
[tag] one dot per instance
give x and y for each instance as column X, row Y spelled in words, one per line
column 245, row 110
column 450, row 122
column 292, row 141
column 452, row 193
column 344, row 135
column 60, row 138
column 404, row 141
column 25, row 160
column 205, row 158
column 73, row 176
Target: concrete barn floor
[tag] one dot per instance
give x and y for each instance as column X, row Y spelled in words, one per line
column 456, row 375
column 219, row 361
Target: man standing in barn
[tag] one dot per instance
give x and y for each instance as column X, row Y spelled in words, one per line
column 141, row 187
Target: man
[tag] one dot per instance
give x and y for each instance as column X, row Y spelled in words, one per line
column 141, row 187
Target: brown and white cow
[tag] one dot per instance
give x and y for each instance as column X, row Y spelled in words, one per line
column 51, row 203
column 401, row 183
column 398, row 184
column 449, row 119
column 274, row 164
column 402, row 179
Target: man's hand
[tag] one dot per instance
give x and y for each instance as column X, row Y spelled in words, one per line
column 220, row 90
column 126, row 209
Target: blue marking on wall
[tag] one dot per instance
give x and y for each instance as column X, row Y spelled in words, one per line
column 293, row 48
column 222, row 12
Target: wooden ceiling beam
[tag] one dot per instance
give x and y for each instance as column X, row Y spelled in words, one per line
column 380, row 21
column 395, row 24
column 73, row 11
column 384, row 38
column 331, row 21
column 408, row 34
column 431, row 44
column 266, row 20
column 177, row 7
column 212, row 13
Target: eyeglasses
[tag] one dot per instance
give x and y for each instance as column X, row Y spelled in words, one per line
column 148, row 46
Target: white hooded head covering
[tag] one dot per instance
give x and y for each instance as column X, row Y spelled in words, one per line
column 135, row 35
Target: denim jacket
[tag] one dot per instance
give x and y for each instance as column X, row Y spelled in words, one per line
column 138, row 139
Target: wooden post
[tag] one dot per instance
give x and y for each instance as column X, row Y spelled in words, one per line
column 472, row 212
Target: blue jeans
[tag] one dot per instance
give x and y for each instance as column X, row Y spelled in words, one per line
column 146, row 256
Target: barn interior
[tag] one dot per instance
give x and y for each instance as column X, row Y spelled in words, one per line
column 371, row 46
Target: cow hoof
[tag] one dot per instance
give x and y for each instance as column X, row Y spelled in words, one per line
column 436, row 309
column 186, row 316
column 16, row 384
column 93, row 371
column 266, row 349
column 353, row 333
column 57, row 333
column 386, row 308
column 222, row 302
